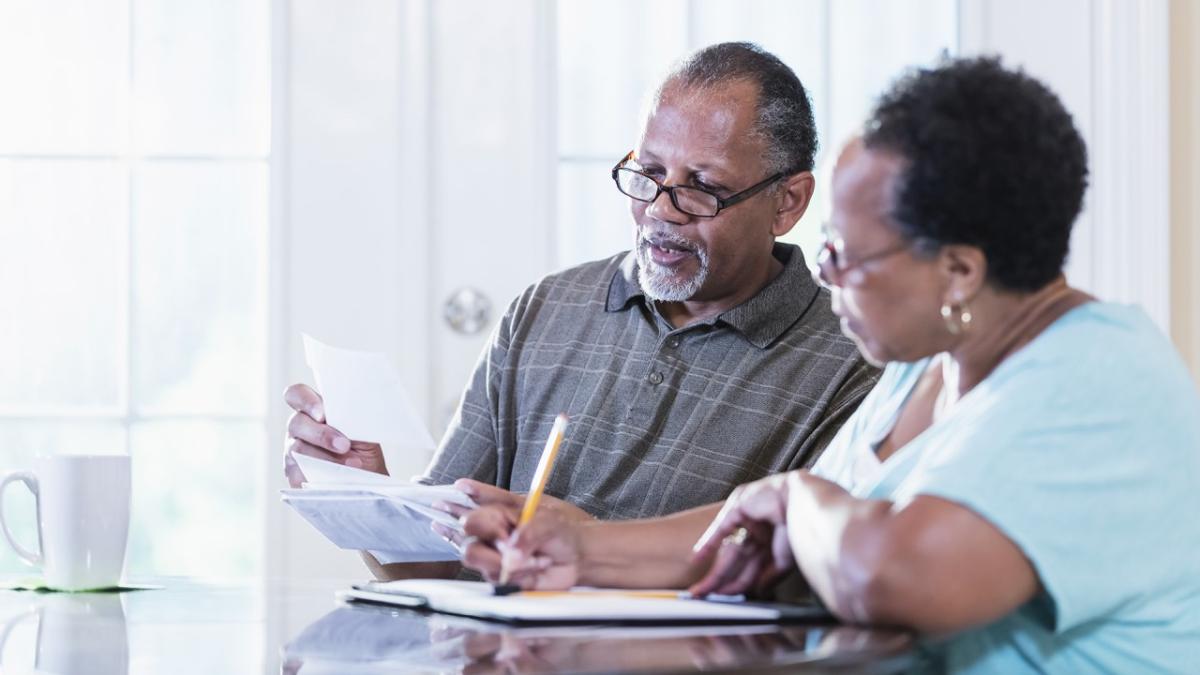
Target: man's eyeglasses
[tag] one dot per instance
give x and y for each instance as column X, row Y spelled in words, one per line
column 831, row 268
column 690, row 200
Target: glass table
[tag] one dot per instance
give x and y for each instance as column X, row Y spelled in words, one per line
column 194, row 627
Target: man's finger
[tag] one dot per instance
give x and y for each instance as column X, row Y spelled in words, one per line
column 453, row 508
column 532, row 537
column 305, row 428
column 482, row 558
column 488, row 523
column 449, row 534
column 302, row 398
column 483, row 493
column 292, row 471
column 299, row 447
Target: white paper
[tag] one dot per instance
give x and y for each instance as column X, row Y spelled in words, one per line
column 363, row 510
column 364, row 398
column 323, row 475
column 365, row 521
column 320, row 472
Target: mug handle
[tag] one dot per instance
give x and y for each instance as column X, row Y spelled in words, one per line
column 8, row 626
column 30, row 482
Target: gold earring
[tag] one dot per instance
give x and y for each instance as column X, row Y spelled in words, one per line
column 956, row 324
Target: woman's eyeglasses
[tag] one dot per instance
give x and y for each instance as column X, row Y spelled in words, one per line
column 831, row 267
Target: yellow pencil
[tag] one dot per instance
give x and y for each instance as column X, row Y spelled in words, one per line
column 540, row 478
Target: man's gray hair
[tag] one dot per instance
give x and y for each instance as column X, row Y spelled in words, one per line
column 785, row 118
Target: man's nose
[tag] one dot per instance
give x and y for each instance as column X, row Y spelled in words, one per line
column 663, row 208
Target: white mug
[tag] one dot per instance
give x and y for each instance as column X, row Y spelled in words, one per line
column 82, row 519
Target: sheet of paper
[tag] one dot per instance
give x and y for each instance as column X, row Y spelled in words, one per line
column 364, row 398
column 323, row 475
column 371, row 522
column 320, row 472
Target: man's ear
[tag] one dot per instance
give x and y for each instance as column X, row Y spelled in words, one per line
column 964, row 269
column 794, row 198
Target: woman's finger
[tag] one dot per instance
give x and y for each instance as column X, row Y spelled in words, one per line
column 750, row 562
column 724, row 567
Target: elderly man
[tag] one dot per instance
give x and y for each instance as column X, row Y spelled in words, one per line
column 704, row 358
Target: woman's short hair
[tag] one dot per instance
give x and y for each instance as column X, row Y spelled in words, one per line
column 993, row 160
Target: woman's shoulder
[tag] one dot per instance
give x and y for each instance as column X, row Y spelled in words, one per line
column 1101, row 362
column 1104, row 341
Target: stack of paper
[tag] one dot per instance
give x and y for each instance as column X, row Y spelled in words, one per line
column 366, row 511
column 361, row 510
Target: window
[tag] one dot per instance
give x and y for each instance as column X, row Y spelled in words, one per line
column 134, row 184
column 610, row 54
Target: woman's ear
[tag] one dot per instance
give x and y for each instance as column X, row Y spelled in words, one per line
column 964, row 268
column 796, row 195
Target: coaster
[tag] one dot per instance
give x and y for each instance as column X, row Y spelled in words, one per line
column 38, row 585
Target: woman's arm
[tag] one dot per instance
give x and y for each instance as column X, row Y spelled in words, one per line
column 932, row 564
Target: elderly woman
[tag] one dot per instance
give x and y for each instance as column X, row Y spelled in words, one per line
column 1018, row 483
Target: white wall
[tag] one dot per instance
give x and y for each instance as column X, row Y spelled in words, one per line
column 1107, row 59
column 415, row 163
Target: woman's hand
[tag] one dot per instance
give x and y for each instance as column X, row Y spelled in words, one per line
column 748, row 540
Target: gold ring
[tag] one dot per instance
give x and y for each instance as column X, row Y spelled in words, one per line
column 737, row 538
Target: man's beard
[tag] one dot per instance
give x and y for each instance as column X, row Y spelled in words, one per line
column 662, row 284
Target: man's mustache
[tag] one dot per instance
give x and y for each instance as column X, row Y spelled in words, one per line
column 666, row 239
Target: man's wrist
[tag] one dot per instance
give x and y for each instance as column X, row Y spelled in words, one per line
column 590, row 548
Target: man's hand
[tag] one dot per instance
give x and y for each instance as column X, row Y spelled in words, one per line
column 544, row 554
column 308, row 434
column 490, row 495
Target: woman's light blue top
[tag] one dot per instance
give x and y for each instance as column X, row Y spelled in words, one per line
column 1084, row 449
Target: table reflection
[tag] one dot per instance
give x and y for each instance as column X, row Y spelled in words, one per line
column 373, row 639
column 191, row 627
column 76, row 633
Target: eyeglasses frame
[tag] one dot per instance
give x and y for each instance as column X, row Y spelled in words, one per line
column 831, row 273
column 722, row 202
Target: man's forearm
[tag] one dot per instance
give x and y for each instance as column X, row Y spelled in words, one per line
column 648, row 553
column 417, row 570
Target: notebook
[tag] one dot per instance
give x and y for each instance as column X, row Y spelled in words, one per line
column 578, row 605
